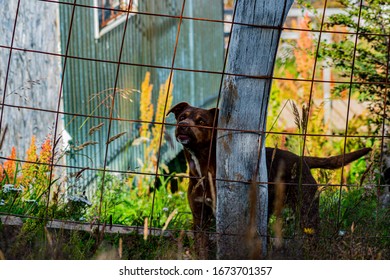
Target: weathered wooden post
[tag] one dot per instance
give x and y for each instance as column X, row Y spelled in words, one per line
column 243, row 111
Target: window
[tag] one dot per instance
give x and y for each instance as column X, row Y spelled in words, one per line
column 110, row 14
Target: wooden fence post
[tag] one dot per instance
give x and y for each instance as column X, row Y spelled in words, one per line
column 241, row 209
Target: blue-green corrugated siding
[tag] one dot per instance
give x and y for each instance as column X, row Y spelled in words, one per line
column 148, row 40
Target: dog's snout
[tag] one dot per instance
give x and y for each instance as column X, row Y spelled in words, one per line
column 184, row 124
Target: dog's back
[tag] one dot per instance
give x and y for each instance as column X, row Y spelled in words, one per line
column 194, row 131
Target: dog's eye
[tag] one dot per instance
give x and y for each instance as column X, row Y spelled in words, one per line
column 181, row 118
column 201, row 122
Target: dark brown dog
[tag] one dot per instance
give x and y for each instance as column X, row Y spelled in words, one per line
column 194, row 132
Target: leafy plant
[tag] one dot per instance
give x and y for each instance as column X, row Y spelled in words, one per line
column 24, row 186
column 367, row 61
column 123, row 204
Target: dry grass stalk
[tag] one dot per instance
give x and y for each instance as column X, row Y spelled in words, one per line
column 300, row 120
column 84, row 145
column 146, row 231
column 93, row 129
column 170, row 217
column 278, row 207
column 120, row 248
column 2, row 256
column 116, row 137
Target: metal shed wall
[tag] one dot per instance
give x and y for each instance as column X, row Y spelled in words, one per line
column 149, row 43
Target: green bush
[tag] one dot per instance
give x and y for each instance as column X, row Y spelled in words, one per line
column 122, row 203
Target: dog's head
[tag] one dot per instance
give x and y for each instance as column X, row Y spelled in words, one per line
column 194, row 124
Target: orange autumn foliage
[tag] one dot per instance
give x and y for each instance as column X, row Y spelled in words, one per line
column 46, row 151
column 29, row 167
column 31, row 155
column 9, row 167
column 304, row 54
column 32, row 170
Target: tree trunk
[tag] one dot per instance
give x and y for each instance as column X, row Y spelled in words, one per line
column 242, row 206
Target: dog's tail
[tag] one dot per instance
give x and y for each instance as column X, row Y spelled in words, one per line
column 335, row 161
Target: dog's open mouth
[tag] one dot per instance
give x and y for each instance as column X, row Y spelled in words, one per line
column 183, row 139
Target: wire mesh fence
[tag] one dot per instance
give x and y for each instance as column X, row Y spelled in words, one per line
column 86, row 142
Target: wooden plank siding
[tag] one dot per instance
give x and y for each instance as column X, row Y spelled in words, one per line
column 150, row 41
column 29, row 74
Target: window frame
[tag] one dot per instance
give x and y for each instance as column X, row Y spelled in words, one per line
column 113, row 22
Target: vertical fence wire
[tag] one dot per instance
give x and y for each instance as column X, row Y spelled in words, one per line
column 309, row 103
column 56, row 124
column 6, row 81
column 165, row 106
column 348, row 110
column 384, row 119
column 102, row 187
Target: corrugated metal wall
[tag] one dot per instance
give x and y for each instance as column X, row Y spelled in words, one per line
column 91, row 70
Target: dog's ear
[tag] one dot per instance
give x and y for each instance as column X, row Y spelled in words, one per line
column 178, row 108
column 214, row 111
